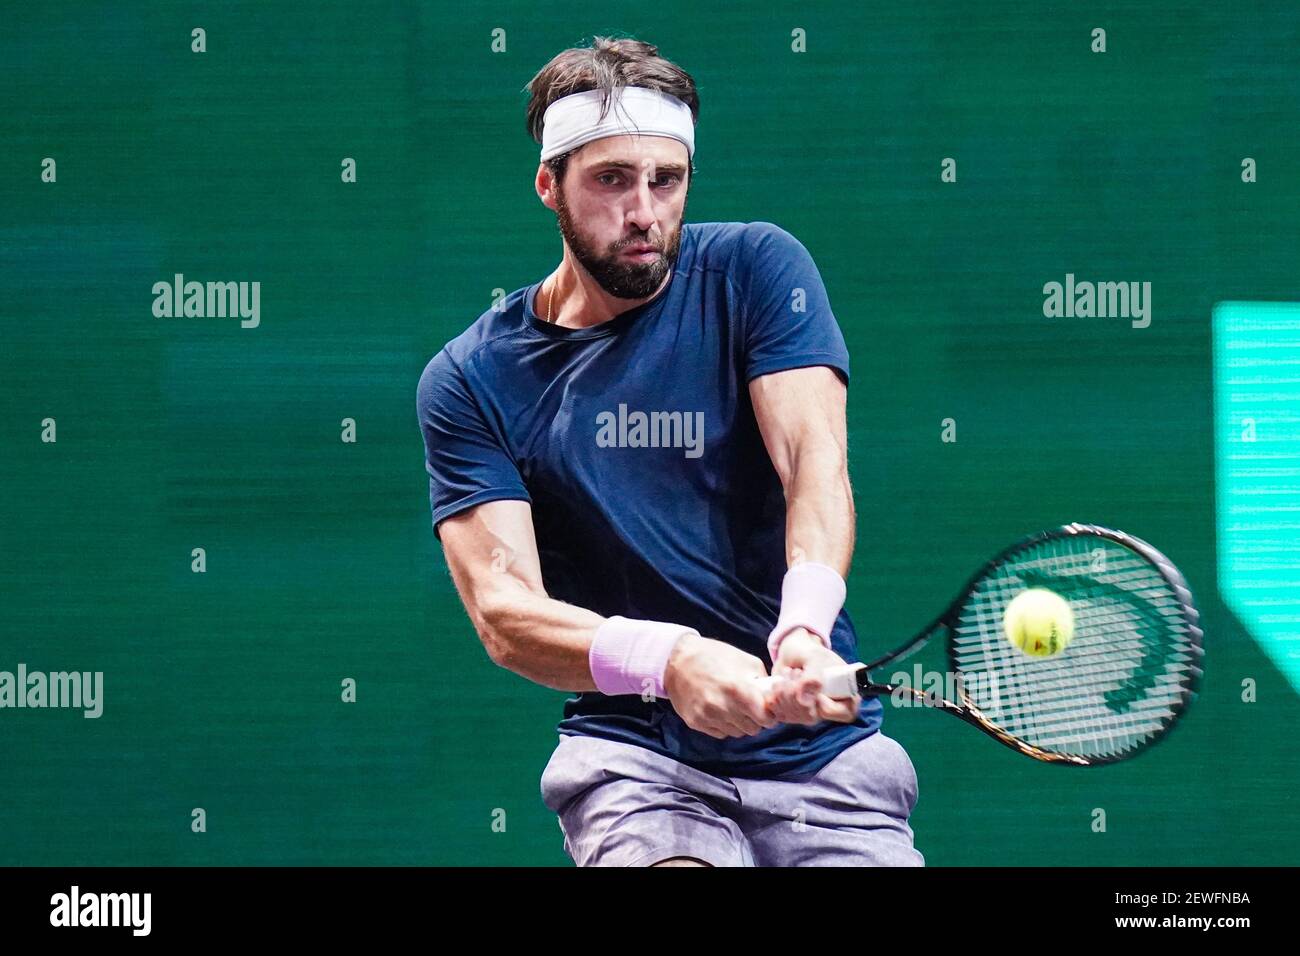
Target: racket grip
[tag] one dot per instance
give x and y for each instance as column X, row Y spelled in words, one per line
column 837, row 682
column 841, row 682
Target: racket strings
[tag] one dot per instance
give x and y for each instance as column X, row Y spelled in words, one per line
column 1052, row 711
column 1117, row 683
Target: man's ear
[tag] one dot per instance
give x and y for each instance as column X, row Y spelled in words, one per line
column 544, row 183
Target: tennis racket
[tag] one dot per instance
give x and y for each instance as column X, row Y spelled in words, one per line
column 1117, row 687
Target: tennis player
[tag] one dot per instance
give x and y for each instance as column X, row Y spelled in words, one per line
column 637, row 471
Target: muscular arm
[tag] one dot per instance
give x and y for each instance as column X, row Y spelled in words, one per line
column 801, row 415
column 492, row 554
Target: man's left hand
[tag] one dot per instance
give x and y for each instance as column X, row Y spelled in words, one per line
column 797, row 698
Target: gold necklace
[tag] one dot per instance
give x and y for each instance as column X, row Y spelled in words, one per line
column 550, row 304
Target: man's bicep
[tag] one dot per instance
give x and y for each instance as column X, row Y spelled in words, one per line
column 800, row 410
column 489, row 547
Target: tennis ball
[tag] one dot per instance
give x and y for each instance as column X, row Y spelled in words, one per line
column 1039, row 622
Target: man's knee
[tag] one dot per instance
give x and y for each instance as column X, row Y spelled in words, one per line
column 681, row 861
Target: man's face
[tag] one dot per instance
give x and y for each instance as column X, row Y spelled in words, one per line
column 620, row 193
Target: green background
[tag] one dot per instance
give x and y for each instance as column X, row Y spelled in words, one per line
column 222, row 689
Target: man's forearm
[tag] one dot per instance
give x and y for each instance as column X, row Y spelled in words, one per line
column 567, row 647
column 819, row 546
column 538, row 637
column 820, row 517
column 492, row 556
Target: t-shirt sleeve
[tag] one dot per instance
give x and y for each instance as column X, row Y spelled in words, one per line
column 787, row 314
column 465, row 459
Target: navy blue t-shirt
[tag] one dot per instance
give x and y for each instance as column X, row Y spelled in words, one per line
column 652, row 493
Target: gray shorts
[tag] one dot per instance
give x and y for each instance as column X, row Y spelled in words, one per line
column 623, row 805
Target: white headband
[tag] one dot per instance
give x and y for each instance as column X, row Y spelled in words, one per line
column 575, row 119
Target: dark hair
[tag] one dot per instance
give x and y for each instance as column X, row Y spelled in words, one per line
column 608, row 64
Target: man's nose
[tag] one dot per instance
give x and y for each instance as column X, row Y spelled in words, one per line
column 642, row 213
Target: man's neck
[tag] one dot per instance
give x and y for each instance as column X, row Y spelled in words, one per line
column 572, row 303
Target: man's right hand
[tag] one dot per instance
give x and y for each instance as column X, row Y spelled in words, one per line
column 711, row 685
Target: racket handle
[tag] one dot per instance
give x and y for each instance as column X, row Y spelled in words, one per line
column 837, row 682
column 841, row 682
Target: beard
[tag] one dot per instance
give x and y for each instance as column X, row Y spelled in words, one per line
column 615, row 274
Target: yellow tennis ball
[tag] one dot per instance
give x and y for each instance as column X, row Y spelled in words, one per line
column 1039, row 622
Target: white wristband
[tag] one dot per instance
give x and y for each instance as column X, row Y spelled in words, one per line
column 812, row 595
column 630, row 657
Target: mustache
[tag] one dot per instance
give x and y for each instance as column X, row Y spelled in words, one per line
column 660, row 246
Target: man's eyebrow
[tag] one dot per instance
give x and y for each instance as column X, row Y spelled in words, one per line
column 669, row 167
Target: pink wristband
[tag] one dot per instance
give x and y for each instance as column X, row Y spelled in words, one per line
column 629, row 656
column 811, row 597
